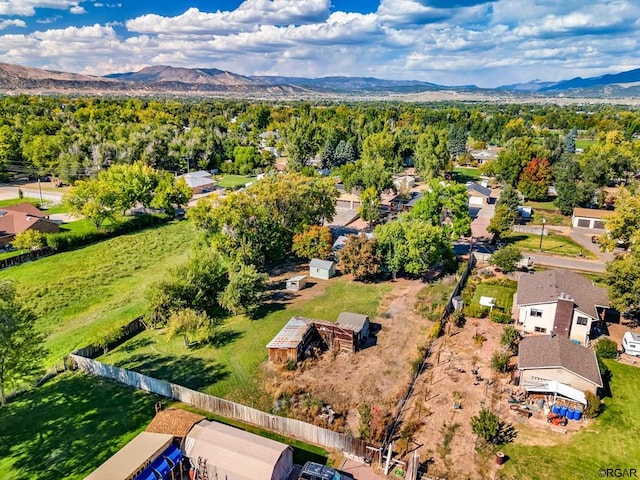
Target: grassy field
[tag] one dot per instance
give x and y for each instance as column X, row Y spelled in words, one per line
column 552, row 244
column 231, row 367
column 233, row 181
column 68, row 427
column 76, row 294
column 466, row 174
column 612, row 440
column 548, row 211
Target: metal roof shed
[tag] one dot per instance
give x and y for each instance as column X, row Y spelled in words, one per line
column 234, row 454
column 133, row 458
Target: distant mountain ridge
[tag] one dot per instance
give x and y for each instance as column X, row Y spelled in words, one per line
column 162, row 79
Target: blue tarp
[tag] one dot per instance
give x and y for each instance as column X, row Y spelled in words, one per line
column 173, row 455
column 147, row 474
column 161, row 466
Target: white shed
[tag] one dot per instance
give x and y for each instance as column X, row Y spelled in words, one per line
column 234, row 454
column 296, row 283
column 322, row 269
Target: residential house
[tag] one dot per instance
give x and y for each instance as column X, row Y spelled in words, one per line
column 199, row 182
column 19, row 218
column 589, row 218
column 555, row 365
column 478, row 194
column 484, row 155
column 562, row 302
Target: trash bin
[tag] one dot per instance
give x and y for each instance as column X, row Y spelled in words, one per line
column 500, row 458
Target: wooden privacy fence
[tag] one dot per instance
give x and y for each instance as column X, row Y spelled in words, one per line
column 532, row 230
column 285, row 426
column 25, row 257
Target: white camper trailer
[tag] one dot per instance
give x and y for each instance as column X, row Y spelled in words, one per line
column 631, row 343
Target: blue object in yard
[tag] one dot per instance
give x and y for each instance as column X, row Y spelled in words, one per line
column 570, row 414
column 563, row 411
column 556, row 409
column 577, row 414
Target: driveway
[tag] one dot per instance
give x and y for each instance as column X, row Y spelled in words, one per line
column 481, row 216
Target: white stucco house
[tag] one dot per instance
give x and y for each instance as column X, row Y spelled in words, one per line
column 561, row 302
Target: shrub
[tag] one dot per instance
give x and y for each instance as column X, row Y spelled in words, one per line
column 594, row 406
column 486, row 425
column 479, row 339
column 65, row 241
column 436, row 330
column 500, row 361
column 510, row 337
column 606, row 348
column 457, row 317
column 500, row 317
column 476, row 311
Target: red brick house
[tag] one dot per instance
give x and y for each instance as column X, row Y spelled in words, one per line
column 19, row 218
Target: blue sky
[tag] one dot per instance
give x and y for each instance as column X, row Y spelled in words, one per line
column 453, row 42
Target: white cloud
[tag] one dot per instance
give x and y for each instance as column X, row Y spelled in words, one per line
column 77, row 10
column 28, row 7
column 11, row 23
column 477, row 42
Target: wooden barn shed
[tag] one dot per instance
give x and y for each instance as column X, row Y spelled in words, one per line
column 292, row 341
column 357, row 322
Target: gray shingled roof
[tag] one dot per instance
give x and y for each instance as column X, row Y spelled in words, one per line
column 478, row 188
column 324, row 264
column 547, row 286
column 545, row 351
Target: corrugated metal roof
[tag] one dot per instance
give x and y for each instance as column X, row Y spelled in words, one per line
column 291, row 334
column 132, row 457
column 354, row 321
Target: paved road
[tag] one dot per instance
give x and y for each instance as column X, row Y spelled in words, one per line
column 594, row 266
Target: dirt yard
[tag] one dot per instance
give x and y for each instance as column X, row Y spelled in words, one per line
column 377, row 375
column 449, row 393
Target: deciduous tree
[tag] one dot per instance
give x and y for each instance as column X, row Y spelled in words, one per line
column 506, row 258
column 245, row 290
column 502, row 221
column 535, row 179
column 315, row 242
column 21, row 345
column 431, row 154
column 193, row 326
column 359, row 257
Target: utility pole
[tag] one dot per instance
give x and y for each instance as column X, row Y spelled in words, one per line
column 544, row 220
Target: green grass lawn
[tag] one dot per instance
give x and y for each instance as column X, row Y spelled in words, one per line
column 548, row 211
column 233, row 181
column 502, row 293
column 67, row 427
column 466, row 174
column 552, row 244
column 583, row 144
column 612, row 440
column 49, row 210
column 542, row 205
column 77, row 294
column 231, row 367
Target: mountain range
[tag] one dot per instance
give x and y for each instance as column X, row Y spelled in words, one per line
column 210, row 81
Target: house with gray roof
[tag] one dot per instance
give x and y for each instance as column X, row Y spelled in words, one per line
column 561, row 302
column 478, row 194
column 556, row 365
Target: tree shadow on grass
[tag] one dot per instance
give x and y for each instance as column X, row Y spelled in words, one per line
column 225, row 337
column 67, row 427
column 188, row 371
column 268, row 308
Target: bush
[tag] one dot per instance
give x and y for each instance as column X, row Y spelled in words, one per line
column 476, row 311
column 65, row 241
column 594, row 406
column 500, row 317
column 510, row 337
column 606, row 348
column 500, row 361
column 436, row 330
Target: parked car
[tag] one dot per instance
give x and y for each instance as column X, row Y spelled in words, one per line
column 315, row 471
